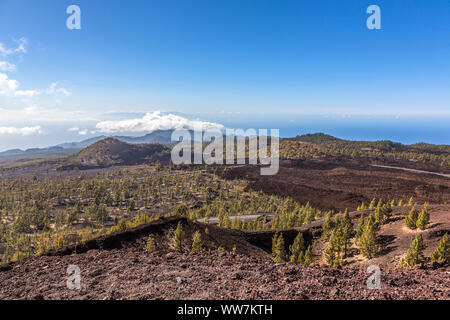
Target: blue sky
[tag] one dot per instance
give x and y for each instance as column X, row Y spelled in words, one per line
column 220, row 61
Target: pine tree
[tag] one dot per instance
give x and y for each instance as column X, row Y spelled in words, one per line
column 280, row 252
column 327, row 226
column 60, row 241
column 308, row 256
column 42, row 246
column 347, row 222
column 333, row 252
column 411, row 219
column 373, row 203
column 197, row 245
column 378, row 216
column 274, row 244
column 341, row 239
column 387, row 212
column 360, row 227
column 150, row 246
column 330, row 255
column 383, row 213
column 178, row 237
column 368, row 245
column 410, row 202
column 442, row 252
column 297, row 249
column 372, row 221
column 423, row 220
column 380, row 203
column 415, row 253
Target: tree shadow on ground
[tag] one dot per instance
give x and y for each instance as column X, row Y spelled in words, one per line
column 385, row 242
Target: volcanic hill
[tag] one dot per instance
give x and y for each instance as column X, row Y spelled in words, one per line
column 111, row 151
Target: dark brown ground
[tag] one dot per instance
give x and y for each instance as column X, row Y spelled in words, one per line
column 117, row 267
column 132, row 274
column 345, row 184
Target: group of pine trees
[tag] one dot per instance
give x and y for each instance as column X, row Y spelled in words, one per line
column 442, row 252
column 415, row 254
column 54, row 207
column 290, row 214
column 318, row 146
column 338, row 233
column 179, row 239
column 366, row 236
column 374, row 204
column 299, row 254
column 416, row 220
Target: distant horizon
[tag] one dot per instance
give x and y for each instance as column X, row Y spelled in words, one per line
column 368, row 130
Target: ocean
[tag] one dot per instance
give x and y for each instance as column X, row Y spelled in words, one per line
column 407, row 130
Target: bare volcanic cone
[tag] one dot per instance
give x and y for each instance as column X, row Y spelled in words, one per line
column 110, row 151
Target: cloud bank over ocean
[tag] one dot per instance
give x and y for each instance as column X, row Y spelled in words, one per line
column 153, row 121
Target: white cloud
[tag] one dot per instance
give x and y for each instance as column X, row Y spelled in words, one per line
column 7, row 67
column 25, row 131
column 31, row 110
column 26, row 93
column 155, row 121
column 83, row 132
column 9, row 87
column 28, row 109
column 53, row 89
column 21, row 47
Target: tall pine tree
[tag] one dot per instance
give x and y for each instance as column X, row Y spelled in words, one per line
column 414, row 255
column 297, row 249
column 368, row 245
column 442, row 252
column 411, row 219
column 178, row 237
column 423, row 220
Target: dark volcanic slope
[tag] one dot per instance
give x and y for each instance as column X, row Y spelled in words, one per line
column 340, row 185
column 117, row 267
column 132, row 274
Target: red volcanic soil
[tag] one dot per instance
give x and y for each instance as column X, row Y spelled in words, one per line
column 131, row 273
column 344, row 184
column 117, row 267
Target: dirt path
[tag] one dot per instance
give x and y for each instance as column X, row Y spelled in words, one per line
column 244, row 217
column 412, row 170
